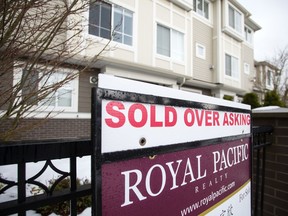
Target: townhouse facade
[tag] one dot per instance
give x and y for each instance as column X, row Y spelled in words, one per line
column 201, row 46
column 265, row 74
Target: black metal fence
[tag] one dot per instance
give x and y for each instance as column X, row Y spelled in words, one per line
column 22, row 153
column 261, row 139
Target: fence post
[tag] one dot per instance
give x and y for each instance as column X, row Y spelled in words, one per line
column 21, row 186
column 73, row 186
column 260, row 142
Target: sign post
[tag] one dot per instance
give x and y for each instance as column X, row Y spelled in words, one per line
column 161, row 151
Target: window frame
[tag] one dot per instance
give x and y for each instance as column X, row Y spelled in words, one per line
column 39, row 107
column 114, row 29
column 201, row 11
column 173, row 55
column 198, row 54
column 57, row 77
column 233, row 25
column 269, row 78
column 248, row 36
column 246, row 68
column 234, row 63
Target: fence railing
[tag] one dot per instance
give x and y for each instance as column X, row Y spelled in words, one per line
column 20, row 154
column 261, row 139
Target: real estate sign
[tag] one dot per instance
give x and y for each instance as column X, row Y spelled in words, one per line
column 161, row 151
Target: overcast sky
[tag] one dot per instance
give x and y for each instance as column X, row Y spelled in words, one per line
column 272, row 16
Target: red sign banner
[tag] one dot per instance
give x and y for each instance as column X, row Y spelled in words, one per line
column 188, row 182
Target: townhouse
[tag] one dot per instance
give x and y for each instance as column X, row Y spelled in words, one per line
column 202, row 46
column 265, row 75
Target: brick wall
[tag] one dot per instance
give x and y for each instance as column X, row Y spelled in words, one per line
column 276, row 176
column 39, row 129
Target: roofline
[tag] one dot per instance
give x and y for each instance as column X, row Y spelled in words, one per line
column 266, row 63
column 251, row 23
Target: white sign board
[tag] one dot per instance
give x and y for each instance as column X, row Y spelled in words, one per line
column 128, row 122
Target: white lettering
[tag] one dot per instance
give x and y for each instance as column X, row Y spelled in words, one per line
column 188, row 172
column 148, row 180
column 199, row 168
column 174, row 173
column 216, row 156
column 133, row 187
column 229, row 158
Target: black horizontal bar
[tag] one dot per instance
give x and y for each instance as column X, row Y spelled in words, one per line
column 145, row 152
column 262, row 129
column 34, row 202
column 13, row 153
column 262, row 145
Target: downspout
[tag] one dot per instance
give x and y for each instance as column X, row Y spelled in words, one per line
column 219, row 42
column 182, row 83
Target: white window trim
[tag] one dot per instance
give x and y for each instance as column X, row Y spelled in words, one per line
column 246, row 68
column 252, row 35
column 170, row 58
column 74, row 94
column 17, row 74
column 202, row 15
column 198, row 54
column 267, row 83
column 239, row 36
column 238, row 67
column 241, row 22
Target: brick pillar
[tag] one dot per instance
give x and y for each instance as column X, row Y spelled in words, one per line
column 276, row 177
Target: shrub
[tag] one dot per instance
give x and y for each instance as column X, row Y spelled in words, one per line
column 228, row 97
column 251, row 99
column 63, row 208
column 272, row 98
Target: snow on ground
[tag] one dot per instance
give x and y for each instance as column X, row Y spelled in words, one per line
column 9, row 172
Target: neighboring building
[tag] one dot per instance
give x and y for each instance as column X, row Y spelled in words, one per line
column 200, row 46
column 264, row 78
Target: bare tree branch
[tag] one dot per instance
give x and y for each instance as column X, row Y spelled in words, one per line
column 37, row 37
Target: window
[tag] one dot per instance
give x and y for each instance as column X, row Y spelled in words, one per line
column 248, row 35
column 201, row 7
column 29, row 81
column 269, row 78
column 111, row 22
column 235, row 19
column 200, row 51
column 163, row 40
column 62, row 96
column 170, row 43
column 100, row 20
column 38, row 87
column 122, row 25
column 246, row 68
column 231, row 66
